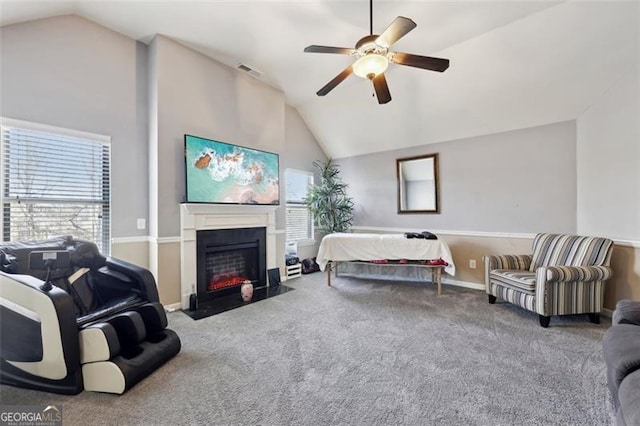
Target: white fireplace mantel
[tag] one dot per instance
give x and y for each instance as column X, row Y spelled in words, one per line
column 197, row 217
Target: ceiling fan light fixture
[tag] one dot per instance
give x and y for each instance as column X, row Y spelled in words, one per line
column 370, row 65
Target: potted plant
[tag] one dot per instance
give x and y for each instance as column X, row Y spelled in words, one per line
column 328, row 201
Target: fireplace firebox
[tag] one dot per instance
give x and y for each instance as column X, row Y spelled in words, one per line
column 226, row 258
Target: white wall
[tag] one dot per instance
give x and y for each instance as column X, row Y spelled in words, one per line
column 608, row 157
column 518, row 181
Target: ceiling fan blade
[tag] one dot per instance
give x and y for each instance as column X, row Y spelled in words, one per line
column 328, row 49
column 395, row 31
column 417, row 61
column 382, row 90
column 337, row 80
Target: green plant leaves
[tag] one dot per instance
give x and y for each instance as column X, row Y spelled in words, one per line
column 332, row 208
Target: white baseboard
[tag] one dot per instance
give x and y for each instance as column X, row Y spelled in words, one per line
column 465, row 284
column 173, row 307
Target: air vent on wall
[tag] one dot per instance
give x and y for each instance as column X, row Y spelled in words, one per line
column 252, row 72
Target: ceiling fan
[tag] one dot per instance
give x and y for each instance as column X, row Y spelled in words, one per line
column 374, row 56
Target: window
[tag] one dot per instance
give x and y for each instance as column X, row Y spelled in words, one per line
column 54, row 182
column 299, row 218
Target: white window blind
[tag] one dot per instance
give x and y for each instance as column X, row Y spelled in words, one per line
column 54, row 182
column 299, row 218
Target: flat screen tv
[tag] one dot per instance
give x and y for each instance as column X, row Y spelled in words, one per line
column 223, row 173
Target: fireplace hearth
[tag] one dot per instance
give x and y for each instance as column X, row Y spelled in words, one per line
column 232, row 301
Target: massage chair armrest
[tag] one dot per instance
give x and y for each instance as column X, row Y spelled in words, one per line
column 139, row 279
column 53, row 315
column 552, row 274
column 519, row 262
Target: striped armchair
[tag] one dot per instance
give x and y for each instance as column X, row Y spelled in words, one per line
column 565, row 275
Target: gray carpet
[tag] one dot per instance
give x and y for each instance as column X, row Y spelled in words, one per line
column 364, row 353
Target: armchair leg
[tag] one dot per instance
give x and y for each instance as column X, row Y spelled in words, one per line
column 594, row 318
column 544, row 321
column 492, row 299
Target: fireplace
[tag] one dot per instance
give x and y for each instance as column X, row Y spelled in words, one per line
column 228, row 257
column 196, row 218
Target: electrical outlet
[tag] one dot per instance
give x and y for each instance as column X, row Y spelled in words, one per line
column 141, row 223
column 472, row 263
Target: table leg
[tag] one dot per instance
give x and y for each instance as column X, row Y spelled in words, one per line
column 439, row 277
column 329, row 274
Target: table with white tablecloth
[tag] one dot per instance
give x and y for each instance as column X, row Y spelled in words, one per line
column 345, row 247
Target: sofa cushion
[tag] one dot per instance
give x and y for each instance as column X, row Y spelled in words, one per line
column 621, row 348
column 570, row 250
column 629, row 395
column 627, row 311
column 521, row 280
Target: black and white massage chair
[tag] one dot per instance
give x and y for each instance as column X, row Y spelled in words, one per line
column 72, row 319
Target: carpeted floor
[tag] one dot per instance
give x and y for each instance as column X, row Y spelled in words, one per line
column 364, row 352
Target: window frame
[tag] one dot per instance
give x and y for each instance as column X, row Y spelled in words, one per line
column 305, row 241
column 104, row 140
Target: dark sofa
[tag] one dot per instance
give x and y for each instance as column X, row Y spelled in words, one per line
column 621, row 345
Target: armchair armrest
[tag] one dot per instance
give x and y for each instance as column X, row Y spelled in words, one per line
column 574, row 273
column 143, row 279
column 507, row 261
column 43, row 322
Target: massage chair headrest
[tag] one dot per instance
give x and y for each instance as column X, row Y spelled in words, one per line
column 14, row 256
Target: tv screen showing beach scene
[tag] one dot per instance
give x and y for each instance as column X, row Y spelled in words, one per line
column 223, row 173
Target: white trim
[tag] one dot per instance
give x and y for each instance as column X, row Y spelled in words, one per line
column 465, row 284
column 172, row 307
column 12, row 122
column 164, row 240
column 447, row 232
column 523, row 235
column 204, row 208
column 131, row 240
column 145, row 239
column 627, row 243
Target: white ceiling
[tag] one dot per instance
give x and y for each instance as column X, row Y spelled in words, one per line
column 514, row 64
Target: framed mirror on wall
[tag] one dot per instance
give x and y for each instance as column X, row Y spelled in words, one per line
column 418, row 184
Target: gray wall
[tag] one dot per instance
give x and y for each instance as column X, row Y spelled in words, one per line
column 202, row 97
column 609, row 162
column 199, row 96
column 300, row 152
column 518, row 181
column 69, row 72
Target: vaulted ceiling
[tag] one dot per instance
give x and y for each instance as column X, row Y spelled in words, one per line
column 514, row 64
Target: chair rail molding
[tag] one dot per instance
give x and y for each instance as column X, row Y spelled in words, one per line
column 491, row 234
